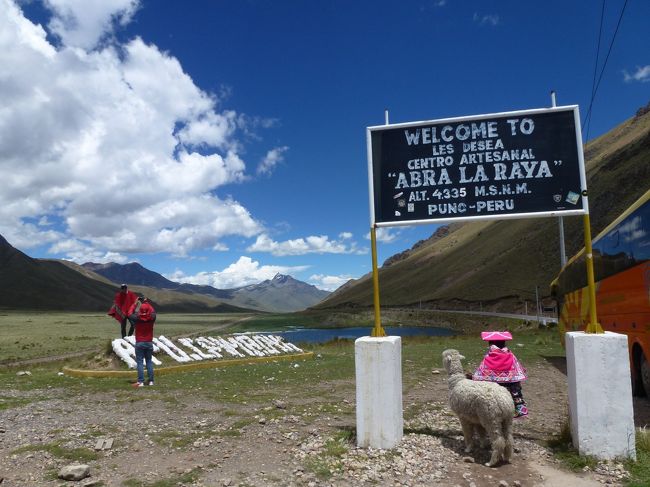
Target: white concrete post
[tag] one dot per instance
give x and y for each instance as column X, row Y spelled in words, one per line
column 600, row 395
column 378, row 364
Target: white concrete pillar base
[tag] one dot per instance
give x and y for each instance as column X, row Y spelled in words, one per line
column 378, row 364
column 600, row 395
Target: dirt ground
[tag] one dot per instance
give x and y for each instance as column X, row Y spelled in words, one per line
column 299, row 440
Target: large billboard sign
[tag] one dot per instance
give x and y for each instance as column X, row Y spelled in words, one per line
column 504, row 165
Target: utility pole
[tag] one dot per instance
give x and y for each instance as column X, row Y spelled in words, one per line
column 560, row 219
column 537, row 302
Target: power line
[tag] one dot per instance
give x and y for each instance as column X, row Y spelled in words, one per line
column 594, row 90
column 600, row 34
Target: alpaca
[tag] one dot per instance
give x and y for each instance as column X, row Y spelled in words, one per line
column 481, row 407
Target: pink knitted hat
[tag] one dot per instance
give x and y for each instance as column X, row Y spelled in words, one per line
column 493, row 336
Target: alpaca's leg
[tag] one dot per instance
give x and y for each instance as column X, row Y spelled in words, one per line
column 507, row 434
column 468, row 434
column 497, row 441
column 498, row 446
column 484, row 442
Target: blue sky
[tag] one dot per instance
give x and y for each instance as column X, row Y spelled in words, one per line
column 220, row 142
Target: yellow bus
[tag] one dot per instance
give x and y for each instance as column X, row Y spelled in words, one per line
column 622, row 274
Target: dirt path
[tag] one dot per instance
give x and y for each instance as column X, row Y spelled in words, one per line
column 297, row 438
column 49, row 359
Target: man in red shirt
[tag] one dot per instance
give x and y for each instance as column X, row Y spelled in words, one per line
column 143, row 316
column 122, row 303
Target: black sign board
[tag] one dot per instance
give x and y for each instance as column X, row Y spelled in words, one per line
column 505, row 165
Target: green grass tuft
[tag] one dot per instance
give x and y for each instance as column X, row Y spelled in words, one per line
column 338, row 446
column 564, row 451
column 325, row 465
column 643, row 439
column 639, row 470
column 55, row 448
column 11, row 402
column 174, row 481
column 320, row 467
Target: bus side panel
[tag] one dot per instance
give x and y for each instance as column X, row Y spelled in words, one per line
column 622, row 305
column 574, row 312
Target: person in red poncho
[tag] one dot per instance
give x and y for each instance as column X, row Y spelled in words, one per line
column 143, row 316
column 122, row 302
column 501, row 366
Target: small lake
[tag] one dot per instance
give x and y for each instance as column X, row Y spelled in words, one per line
column 322, row 335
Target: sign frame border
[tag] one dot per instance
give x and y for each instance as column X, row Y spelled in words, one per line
column 581, row 167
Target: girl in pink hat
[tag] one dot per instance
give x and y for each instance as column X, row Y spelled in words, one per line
column 501, row 366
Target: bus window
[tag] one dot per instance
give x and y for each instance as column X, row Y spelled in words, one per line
column 624, row 246
column 621, row 257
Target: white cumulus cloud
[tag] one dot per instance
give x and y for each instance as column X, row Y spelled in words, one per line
column 329, row 283
column 385, row 234
column 83, row 23
column 244, row 272
column 79, row 252
column 114, row 143
column 488, row 19
column 320, row 244
column 272, row 159
column 642, row 74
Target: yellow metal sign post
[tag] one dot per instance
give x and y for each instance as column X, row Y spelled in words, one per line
column 378, row 330
column 593, row 326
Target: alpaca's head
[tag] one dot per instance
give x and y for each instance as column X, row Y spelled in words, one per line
column 451, row 361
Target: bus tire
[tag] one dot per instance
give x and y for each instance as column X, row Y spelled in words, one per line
column 638, row 388
column 644, row 372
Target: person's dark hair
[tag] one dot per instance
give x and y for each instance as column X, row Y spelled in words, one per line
column 123, row 286
column 498, row 343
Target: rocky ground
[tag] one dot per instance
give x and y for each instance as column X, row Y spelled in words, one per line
column 151, row 437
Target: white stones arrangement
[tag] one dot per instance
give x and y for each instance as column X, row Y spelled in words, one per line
column 198, row 349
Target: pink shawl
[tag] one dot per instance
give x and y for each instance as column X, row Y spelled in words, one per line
column 499, row 359
column 500, row 365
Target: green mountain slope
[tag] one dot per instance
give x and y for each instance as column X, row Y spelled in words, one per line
column 499, row 263
column 44, row 284
column 281, row 294
column 27, row 283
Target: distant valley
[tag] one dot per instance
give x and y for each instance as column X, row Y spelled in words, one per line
column 281, row 294
column 47, row 284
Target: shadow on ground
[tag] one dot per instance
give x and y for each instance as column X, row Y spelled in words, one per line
column 557, row 361
column 641, row 405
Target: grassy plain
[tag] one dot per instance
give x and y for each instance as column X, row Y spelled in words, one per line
column 394, row 316
column 59, row 334
column 25, row 336
column 36, row 335
column 236, row 389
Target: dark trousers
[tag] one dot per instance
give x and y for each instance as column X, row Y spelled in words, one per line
column 515, row 391
column 123, row 328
